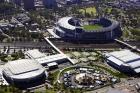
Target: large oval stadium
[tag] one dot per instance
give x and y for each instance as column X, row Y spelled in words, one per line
column 94, row 29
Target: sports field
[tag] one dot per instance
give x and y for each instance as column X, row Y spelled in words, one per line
column 92, row 27
column 89, row 10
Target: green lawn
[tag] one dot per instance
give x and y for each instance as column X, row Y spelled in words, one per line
column 92, row 27
column 89, row 10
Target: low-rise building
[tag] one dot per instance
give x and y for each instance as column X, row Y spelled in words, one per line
column 44, row 59
column 125, row 61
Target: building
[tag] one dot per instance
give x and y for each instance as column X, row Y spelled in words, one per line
column 44, row 59
column 138, row 86
column 1, row 1
column 50, row 3
column 70, row 2
column 22, row 18
column 73, row 29
column 24, row 73
column 52, row 65
column 29, row 4
column 125, row 61
column 17, row 2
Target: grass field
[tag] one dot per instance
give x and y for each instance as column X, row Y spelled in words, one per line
column 88, row 10
column 92, row 27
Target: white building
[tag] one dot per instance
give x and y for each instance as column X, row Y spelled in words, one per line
column 124, row 60
column 44, row 59
column 24, row 73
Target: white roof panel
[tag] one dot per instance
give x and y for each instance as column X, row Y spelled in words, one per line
column 135, row 64
column 52, row 64
column 23, row 69
column 125, row 55
column 130, row 57
column 35, row 54
column 64, row 23
column 52, row 58
column 115, row 60
column 137, row 70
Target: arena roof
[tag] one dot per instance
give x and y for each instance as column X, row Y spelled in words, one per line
column 63, row 22
column 24, row 68
column 125, row 57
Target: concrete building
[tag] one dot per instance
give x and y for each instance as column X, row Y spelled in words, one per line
column 44, row 59
column 29, row 4
column 125, row 61
column 24, row 73
column 69, row 2
column 1, row 1
column 17, row 2
column 50, row 3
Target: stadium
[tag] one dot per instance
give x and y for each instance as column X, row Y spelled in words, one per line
column 96, row 29
column 24, row 73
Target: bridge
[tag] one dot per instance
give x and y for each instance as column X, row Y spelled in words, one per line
column 128, row 45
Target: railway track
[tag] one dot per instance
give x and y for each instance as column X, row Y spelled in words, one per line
column 62, row 44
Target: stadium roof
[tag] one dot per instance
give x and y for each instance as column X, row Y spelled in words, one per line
column 22, row 69
column 63, row 22
column 127, row 58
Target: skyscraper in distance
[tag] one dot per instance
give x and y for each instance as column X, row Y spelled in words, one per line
column 29, row 4
column 50, row 3
column 17, row 2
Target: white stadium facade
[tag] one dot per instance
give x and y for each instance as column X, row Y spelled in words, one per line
column 24, row 73
column 124, row 61
column 72, row 28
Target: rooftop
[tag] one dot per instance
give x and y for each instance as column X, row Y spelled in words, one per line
column 64, row 23
column 35, row 54
column 125, row 57
column 42, row 58
column 23, row 68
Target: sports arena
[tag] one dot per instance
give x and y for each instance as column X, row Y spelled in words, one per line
column 24, row 73
column 95, row 29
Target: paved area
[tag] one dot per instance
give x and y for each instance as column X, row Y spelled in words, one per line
column 126, row 86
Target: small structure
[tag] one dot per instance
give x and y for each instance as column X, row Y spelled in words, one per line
column 52, row 65
column 138, row 86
